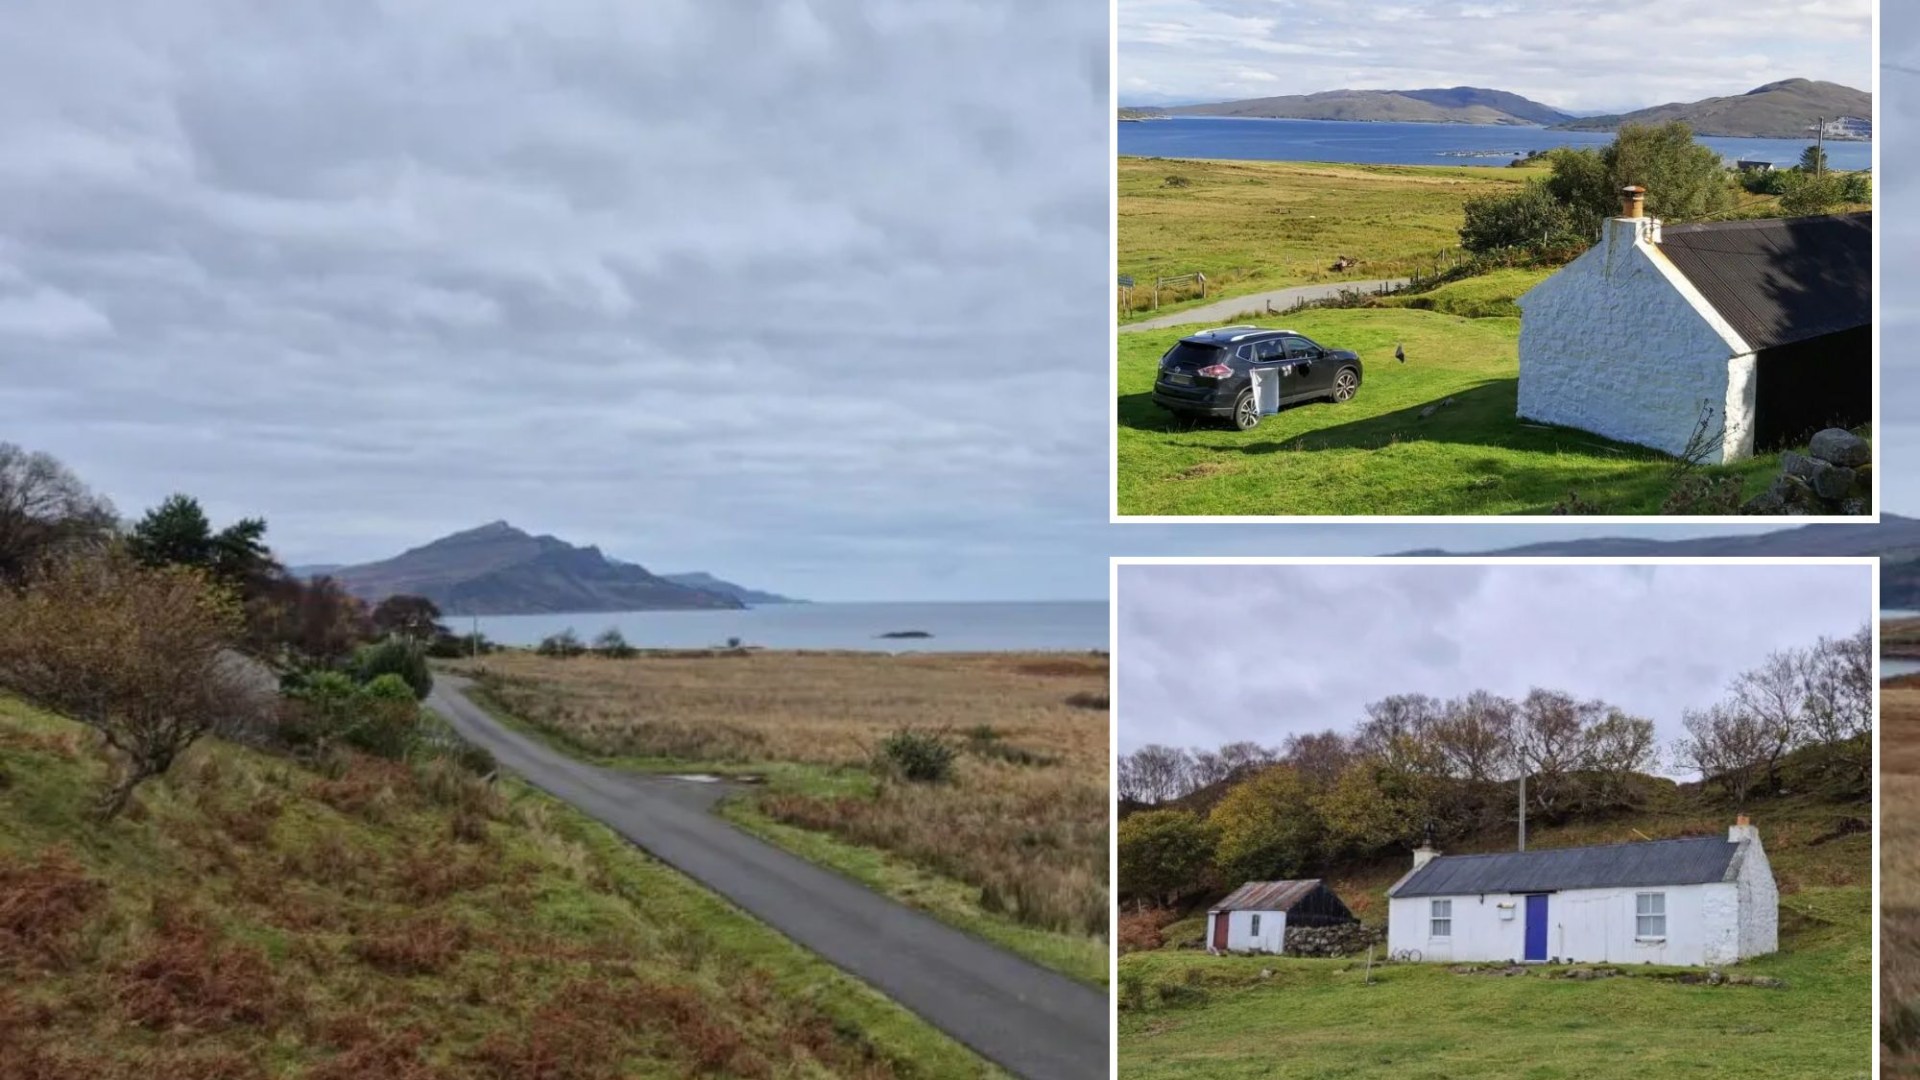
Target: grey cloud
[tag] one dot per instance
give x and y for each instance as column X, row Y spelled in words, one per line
column 1213, row 654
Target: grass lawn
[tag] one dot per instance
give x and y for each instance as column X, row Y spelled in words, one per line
column 1376, row 454
column 250, row 917
column 1013, row 848
column 1255, row 225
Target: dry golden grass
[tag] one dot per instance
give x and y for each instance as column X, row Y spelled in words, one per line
column 1024, row 819
column 1900, row 881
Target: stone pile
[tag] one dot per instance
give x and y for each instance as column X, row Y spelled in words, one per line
column 1352, row 939
column 1833, row 477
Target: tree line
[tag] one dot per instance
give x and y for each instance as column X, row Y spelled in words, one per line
column 1557, row 217
column 1415, row 765
column 159, row 633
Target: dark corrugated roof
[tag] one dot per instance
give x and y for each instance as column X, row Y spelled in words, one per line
column 1267, row 895
column 1692, row 861
column 1780, row 280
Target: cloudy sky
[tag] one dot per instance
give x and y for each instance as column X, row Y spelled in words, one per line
column 810, row 295
column 1579, row 55
column 1214, row 654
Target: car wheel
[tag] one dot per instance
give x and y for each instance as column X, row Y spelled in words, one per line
column 1345, row 385
column 1246, row 411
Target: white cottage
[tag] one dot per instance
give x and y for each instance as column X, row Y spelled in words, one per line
column 1766, row 325
column 1700, row 901
column 1255, row 917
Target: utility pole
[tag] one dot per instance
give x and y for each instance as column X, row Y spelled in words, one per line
column 1820, row 144
column 1523, row 807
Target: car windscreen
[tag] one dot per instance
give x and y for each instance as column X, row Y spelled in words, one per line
column 1194, row 354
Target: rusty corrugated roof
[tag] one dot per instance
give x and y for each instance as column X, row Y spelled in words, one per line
column 1267, row 895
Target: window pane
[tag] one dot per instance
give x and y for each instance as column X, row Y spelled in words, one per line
column 1256, row 924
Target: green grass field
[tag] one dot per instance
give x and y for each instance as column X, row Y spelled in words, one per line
column 1254, row 225
column 250, row 917
column 1376, row 454
column 1185, row 1013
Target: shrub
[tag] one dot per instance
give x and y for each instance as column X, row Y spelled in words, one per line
column 142, row 655
column 612, row 644
column 1804, row 193
column 1530, row 219
column 566, row 643
column 327, row 707
column 394, row 656
column 918, row 756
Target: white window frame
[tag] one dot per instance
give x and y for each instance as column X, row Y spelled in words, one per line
column 1440, row 918
column 1650, row 916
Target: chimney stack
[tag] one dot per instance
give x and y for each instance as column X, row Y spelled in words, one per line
column 1423, row 855
column 1742, row 830
column 1633, row 201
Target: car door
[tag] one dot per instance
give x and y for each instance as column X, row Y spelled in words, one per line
column 1271, row 376
column 1312, row 374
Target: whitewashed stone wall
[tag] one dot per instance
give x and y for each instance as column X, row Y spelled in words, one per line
column 1619, row 343
column 1272, row 937
column 1583, row 926
column 1759, row 898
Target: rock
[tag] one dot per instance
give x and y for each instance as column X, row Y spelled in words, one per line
column 1831, row 481
column 1767, row 981
column 1794, row 463
column 1853, row 506
column 1838, row 446
column 1714, row 978
column 1429, row 411
column 1266, row 973
column 1349, row 939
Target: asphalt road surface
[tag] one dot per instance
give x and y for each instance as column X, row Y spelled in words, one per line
column 1027, row 1019
column 1280, row 299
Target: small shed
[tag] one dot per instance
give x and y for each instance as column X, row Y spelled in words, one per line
column 1696, row 901
column 1255, row 916
column 1744, row 336
column 1748, row 165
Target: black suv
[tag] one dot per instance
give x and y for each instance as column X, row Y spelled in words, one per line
column 1244, row 372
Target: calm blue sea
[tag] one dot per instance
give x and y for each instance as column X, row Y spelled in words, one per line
column 1075, row 625
column 1238, row 138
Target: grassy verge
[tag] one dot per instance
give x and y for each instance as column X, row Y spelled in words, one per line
column 251, row 917
column 1378, row 454
column 1012, row 848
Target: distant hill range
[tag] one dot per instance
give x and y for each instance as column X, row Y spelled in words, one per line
column 1895, row 541
column 497, row 569
column 1787, row 109
column 1455, row 105
column 708, row 583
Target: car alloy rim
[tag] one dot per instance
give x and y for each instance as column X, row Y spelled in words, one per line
column 1248, row 413
column 1346, row 385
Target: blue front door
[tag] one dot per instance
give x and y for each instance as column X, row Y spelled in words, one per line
column 1536, row 926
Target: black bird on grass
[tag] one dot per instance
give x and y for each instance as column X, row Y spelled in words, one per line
column 1399, row 352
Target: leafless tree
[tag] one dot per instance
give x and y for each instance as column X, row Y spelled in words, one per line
column 1397, row 731
column 1838, row 692
column 1548, row 734
column 1319, row 757
column 1773, row 697
column 1724, row 745
column 44, row 509
column 1474, row 736
column 1614, row 749
column 1155, row 774
column 143, row 656
column 1240, row 757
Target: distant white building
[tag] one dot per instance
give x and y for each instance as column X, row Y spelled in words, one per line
column 1254, row 917
column 1701, row 901
column 1763, row 329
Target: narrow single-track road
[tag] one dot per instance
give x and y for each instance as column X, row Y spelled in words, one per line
column 1277, row 299
column 1028, row 1020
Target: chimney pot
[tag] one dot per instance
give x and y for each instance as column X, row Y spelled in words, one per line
column 1633, row 201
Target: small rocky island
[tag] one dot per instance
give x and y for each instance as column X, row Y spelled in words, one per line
column 906, row 634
